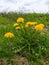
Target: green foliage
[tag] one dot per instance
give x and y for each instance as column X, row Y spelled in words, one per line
column 34, row 45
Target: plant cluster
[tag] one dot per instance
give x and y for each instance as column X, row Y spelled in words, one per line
column 29, row 38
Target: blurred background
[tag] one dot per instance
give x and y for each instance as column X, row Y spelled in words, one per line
column 24, row 6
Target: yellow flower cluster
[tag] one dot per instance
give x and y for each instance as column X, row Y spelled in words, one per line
column 36, row 26
column 33, row 25
column 39, row 27
column 9, row 34
column 29, row 24
column 20, row 20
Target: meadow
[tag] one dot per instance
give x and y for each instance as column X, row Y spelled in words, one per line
column 24, row 39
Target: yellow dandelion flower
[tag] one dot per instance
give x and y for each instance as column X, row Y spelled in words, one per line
column 41, row 24
column 39, row 27
column 16, row 24
column 28, row 24
column 17, row 28
column 20, row 20
column 9, row 34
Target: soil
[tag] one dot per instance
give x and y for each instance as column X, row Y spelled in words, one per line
column 17, row 60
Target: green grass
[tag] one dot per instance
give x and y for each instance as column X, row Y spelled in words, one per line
column 25, row 41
